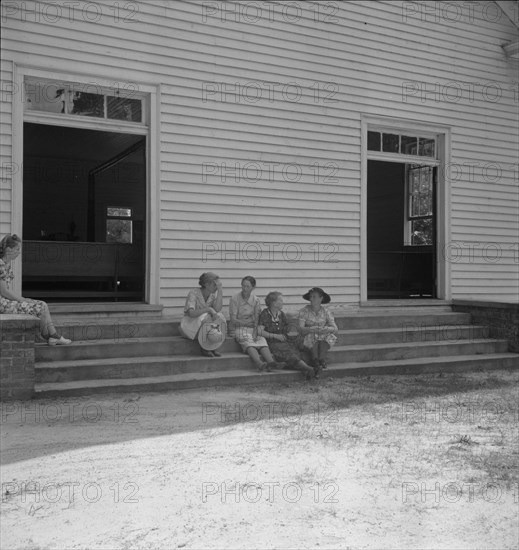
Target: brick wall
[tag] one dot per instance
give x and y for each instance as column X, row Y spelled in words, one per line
column 17, row 335
column 503, row 319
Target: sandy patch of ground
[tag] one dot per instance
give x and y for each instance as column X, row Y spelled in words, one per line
column 377, row 462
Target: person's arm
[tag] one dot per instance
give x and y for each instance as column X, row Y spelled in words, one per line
column 217, row 306
column 6, row 293
column 192, row 311
column 268, row 335
column 330, row 323
column 233, row 313
column 304, row 330
column 197, row 312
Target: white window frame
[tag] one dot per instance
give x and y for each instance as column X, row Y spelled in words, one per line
column 89, row 87
column 403, row 126
column 150, row 129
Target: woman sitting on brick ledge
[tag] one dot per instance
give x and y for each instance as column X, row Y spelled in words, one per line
column 10, row 248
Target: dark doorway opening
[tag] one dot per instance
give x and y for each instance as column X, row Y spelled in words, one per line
column 401, row 230
column 84, row 214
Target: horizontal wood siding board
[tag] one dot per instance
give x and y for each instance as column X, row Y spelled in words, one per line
column 371, row 52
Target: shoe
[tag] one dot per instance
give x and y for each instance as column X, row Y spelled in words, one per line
column 216, row 353
column 58, row 341
column 207, row 353
column 309, row 373
column 324, row 365
column 262, row 367
column 271, row 365
column 317, row 370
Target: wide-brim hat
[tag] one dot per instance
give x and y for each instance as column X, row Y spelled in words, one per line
column 326, row 297
column 212, row 334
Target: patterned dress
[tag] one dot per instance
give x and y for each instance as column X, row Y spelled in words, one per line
column 246, row 311
column 323, row 318
column 189, row 326
column 282, row 351
column 12, row 306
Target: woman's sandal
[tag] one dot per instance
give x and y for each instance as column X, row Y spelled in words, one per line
column 56, row 340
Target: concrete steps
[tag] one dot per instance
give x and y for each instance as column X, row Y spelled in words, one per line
column 126, row 346
column 122, row 352
column 192, row 380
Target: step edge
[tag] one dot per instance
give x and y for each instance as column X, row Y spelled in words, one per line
column 215, row 375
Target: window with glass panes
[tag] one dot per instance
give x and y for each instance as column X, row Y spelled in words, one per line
column 420, row 204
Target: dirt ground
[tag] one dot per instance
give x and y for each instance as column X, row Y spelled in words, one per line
column 380, row 462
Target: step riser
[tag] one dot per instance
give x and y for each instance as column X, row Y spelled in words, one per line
column 181, row 346
column 80, row 331
column 404, row 322
column 448, row 333
column 86, row 328
column 178, row 366
column 286, row 377
column 130, row 347
column 143, row 369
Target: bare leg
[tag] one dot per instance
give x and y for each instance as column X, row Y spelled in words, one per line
column 255, row 357
column 315, row 354
column 265, row 353
column 305, row 369
column 323, row 350
column 47, row 328
column 271, row 362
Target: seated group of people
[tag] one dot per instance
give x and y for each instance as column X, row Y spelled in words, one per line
column 264, row 334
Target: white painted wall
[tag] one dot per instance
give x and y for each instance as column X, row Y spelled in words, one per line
column 260, row 128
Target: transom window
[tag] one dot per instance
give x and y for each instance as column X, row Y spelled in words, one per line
column 404, row 144
column 87, row 100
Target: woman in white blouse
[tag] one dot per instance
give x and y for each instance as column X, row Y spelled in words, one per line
column 202, row 305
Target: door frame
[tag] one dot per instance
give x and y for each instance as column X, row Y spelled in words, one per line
column 151, row 129
column 443, row 210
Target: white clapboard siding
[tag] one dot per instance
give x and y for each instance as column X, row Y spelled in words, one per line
column 354, row 58
column 6, row 130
